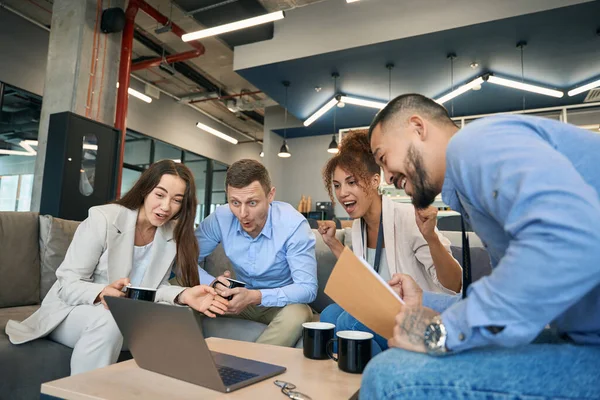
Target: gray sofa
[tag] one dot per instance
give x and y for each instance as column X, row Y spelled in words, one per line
column 33, row 246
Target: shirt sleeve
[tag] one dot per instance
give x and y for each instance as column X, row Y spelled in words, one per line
column 209, row 236
column 512, row 179
column 300, row 255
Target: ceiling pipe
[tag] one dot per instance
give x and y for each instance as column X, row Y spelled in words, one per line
column 160, row 18
column 180, row 100
column 124, row 80
column 125, row 68
column 155, row 62
column 231, row 96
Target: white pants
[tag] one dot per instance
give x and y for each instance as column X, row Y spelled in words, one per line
column 93, row 335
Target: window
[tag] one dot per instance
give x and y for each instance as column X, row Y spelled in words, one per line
column 19, row 122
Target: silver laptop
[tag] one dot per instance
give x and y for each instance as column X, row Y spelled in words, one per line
column 169, row 340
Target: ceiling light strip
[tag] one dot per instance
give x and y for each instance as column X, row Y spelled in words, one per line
column 215, row 132
column 234, row 26
column 363, row 103
column 524, row 86
column 584, row 88
column 328, row 106
column 463, row 89
column 139, row 95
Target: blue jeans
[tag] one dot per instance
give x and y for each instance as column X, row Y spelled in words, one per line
column 343, row 321
column 548, row 368
column 534, row 371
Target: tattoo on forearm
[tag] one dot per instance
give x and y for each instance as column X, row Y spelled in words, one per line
column 413, row 325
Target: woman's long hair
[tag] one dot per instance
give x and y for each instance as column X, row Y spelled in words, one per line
column 186, row 260
column 355, row 157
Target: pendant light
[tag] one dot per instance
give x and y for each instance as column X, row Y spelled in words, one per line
column 452, row 57
column 284, row 151
column 333, row 146
column 390, row 67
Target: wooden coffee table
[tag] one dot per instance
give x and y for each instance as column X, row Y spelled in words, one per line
column 319, row 379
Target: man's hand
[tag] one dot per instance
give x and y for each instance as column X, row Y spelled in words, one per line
column 114, row 289
column 406, row 287
column 427, row 221
column 411, row 322
column 222, row 281
column 242, row 298
column 204, row 299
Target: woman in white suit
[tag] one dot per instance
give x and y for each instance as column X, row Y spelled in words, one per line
column 137, row 240
column 392, row 237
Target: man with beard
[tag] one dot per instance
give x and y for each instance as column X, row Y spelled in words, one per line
column 529, row 187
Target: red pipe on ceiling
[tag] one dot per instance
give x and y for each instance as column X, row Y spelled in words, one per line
column 125, row 68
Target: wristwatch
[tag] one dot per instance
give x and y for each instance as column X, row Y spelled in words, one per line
column 435, row 337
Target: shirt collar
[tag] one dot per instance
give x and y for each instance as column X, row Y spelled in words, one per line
column 267, row 230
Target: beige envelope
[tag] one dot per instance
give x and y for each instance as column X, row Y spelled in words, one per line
column 358, row 289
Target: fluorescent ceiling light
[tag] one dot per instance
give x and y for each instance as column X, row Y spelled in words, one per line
column 27, row 143
column 24, row 144
column 216, row 133
column 351, row 1
column 524, row 86
column 139, row 95
column 584, row 88
column 364, row 103
column 462, row 89
column 176, row 160
column 234, row 26
column 321, row 111
column 27, row 146
column 17, row 152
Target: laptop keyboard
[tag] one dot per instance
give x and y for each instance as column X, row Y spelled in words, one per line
column 231, row 376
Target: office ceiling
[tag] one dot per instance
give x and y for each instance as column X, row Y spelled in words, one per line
column 563, row 50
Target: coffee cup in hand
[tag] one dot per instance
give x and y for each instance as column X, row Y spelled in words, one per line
column 233, row 283
column 140, row 293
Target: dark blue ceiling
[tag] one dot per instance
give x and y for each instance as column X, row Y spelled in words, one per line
column 563, row 51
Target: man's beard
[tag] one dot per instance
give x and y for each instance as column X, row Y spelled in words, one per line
column 423, row 190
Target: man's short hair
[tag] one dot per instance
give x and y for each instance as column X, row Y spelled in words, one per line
column 243, row 172
column 407, row 104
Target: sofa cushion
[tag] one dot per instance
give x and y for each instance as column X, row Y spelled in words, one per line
column 325, row 262
column 217, row 263
column 232, row 328
column 480, row 261
column 55, row 237
column 19, row 259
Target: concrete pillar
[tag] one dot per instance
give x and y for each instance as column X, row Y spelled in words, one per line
column 81, row 73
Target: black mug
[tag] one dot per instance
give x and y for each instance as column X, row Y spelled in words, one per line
column 140, row 293
column 315, row 336
column 354, row 350
column 232, row 284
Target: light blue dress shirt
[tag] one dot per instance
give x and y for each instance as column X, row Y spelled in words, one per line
column 529, row 187
column 280, row 261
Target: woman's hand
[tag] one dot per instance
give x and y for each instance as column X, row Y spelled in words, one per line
column 204, row 299
column 327, row 230
column 114, row 289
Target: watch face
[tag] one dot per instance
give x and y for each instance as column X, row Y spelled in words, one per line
column 432, row 335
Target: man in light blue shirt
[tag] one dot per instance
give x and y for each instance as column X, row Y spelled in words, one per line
column 529, row 187
column 272, row 250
